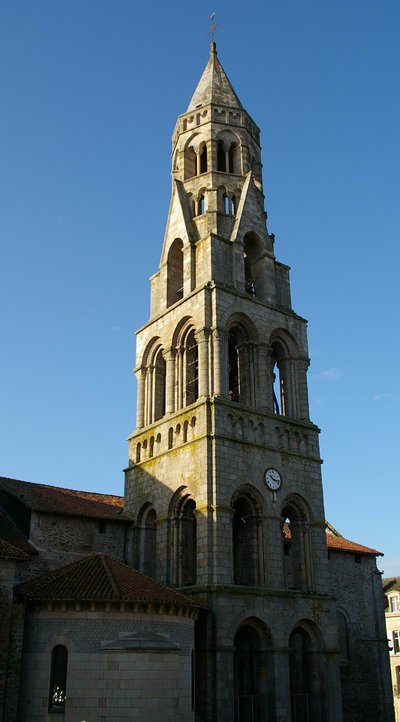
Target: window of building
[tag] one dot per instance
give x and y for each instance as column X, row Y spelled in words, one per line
column 201, row 206
column 184, row 543
column 203, row 160
column 306, row 676
column 279, row 379
column 296, row 548
column 397, row 680
column 221, row 163
column 102, row 526
column 396, row 642
column 175, row 272
column 227, row 204
column 245, row 542
column 240, row 366
column 191, row 369
column 58, row 679
column 394, row 603
column 148, row 541
column 190, row 162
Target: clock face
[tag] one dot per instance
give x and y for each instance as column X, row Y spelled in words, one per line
column 273, row 479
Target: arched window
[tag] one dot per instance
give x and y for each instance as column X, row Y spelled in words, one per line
column 227, row 204
column 191, row 369
column 147, row 522
column 280, row 379
column 233, row 368
column 253, row 676
column 296, row 548
column 159, row 385
column 201, row 205
column 306, row 679
column 221, row 158
column 245, row 542
column 300, row 676
column 203, row 160
column 58, row 678
column 175, row 272
column 154, row 384
column 190, row 162
column 228, row 160
column 184, row 543
column 254, row 266
column 240, row 366
column 232, row 158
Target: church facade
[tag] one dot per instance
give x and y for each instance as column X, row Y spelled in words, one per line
column 254, row 609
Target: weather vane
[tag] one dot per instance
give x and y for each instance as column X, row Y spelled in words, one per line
column 213, row 26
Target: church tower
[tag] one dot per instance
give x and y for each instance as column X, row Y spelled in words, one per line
column 224, row 481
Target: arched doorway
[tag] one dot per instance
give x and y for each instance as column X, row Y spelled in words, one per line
column 253, row 676
column 306, row 679
column 246, row 540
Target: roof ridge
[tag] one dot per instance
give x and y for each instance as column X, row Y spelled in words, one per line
column 104, row 560
column 39, row 484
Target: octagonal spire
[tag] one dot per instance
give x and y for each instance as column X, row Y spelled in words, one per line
column 214, row 86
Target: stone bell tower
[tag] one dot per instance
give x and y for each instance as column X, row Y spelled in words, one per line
column 224, row 479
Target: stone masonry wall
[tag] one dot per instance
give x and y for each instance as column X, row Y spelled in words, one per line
column 356, row 584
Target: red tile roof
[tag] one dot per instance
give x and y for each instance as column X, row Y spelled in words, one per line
column 339, row 543
column 100, row 577
column 335, row 541
column 56, row 500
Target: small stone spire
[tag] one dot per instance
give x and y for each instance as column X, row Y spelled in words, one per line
column 214, row 85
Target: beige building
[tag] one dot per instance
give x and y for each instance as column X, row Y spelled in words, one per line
column 391, row 588
column 275, row 617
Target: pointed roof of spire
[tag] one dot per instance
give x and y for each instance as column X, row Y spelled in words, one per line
column 214, row 86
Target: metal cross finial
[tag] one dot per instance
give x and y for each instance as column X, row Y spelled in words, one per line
column 213, row 26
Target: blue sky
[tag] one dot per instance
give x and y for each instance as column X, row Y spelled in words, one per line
column 91, row 90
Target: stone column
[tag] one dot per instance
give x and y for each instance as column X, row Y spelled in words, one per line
column 226, row 151
column 140, row 374
column 260, row 544
column 202, row 338
column 179, row 356
column 150, row 394
column 264, row 382
column 212, row 147
column 245, row 386
column 169, row 357
column 219, row 385
column 303, row 409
